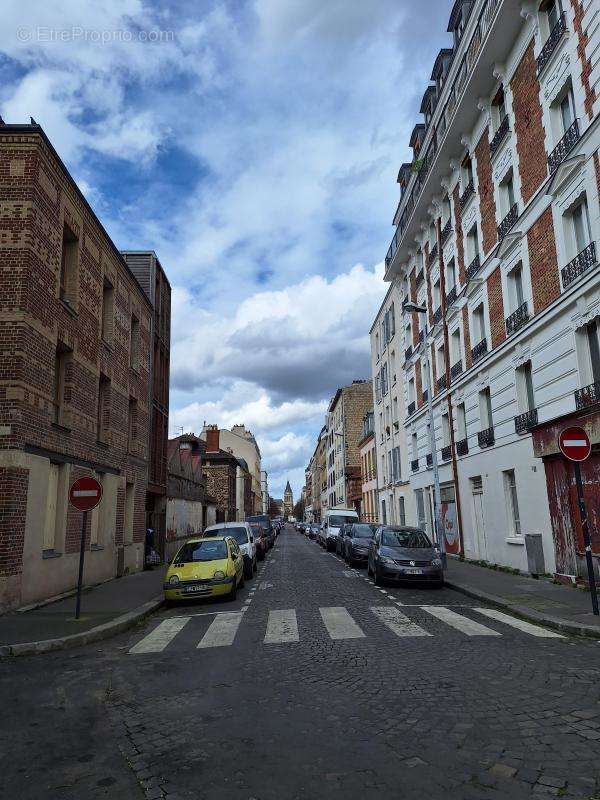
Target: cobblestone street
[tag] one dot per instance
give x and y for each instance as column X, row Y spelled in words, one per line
column 345, row 694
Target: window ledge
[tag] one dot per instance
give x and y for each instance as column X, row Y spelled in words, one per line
column 50, row 554
column 107, row 344
column 102, row 443
column 68, row 306
column 60, row 427
column 515, row 540
column 94, row 547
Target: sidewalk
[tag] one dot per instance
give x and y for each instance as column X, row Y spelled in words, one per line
column 562, row 607
column 105, row 610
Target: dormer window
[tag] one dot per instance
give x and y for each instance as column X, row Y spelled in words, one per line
column 459, row 18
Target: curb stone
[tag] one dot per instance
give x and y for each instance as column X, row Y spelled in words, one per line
column 104, row 631
column 556, row 623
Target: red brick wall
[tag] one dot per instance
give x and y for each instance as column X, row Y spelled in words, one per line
column 418, row 384
column 543, row 263
column 14, row 482
column 586, row 64
column 487, row 204
column 529, row 131
column 460, row 247
column 496, row 308
column 467, row 338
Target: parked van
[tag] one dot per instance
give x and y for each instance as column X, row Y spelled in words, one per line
column 333, row 521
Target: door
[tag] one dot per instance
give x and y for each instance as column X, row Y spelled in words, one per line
column 480, row 542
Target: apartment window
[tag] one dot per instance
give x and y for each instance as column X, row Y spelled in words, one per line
column 512, row 502
column 461, row 421
column 498, row 108
column 392, row 322
column 507, row 193
column 436, row 295
column 401, row 512
column 553, row 11
column 525, row 395
column 566, row 108
column 61, row 361
column 377, row 353
column 421, row 514
column 445, row 430
column 393, row 365
column 411, row 390
column 52, row 507
column 129, row 509
column 485, row 408
column 593, row 341
column 102, row 421
column 432, row 237
column 515, row 288
column 456, row 352
column 472, row 244
column 133, row 421
column 68, row 264
column 479, row 323
column 395, row 406
column 450, row 275
column 415, row 446
column 108, row 307
column 466, row 171
column 441, row 361
column 580, row 228
column 134, row 347
column 445, row 210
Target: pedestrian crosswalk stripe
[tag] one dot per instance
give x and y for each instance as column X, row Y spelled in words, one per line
column 458, row 621
column 222, row 630
column 282, row 627
column 159, row 638
column 398, row 622
column 526, row 627
column 340, row 624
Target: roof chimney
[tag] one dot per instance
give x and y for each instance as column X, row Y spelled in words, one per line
column 212, row 438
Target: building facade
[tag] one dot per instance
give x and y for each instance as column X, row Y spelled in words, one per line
column 369, row 506
column 220, row 471
column 75, row 343
column 187, row 502
column 496, row 236
column 288, row 501
column 242, row 444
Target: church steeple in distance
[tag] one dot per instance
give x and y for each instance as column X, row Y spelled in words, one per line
column 288, row 501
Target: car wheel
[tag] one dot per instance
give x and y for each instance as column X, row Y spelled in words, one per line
column 261, row 555
column 233, row 593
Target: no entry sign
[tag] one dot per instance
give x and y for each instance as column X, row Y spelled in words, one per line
column 574, row 444
column 85, row 493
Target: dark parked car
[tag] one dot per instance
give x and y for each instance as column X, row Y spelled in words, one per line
column 265, row 521
column 400, row 553
column 313, row 530
column 261, row 540
column 355, row 542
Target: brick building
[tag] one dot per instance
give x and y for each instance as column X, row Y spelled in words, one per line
column 228, row 479
column 495, row 234
column 75, row 330
column 369, row 503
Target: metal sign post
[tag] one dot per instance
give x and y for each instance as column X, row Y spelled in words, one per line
column 575, row 445
column 84, row 495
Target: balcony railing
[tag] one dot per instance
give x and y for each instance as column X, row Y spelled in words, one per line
column 433, row 253
column 408, row 353
column 411, row 408
column 524, row 422
column 508, row 222
column 414, row 464
column 441, row 383
column 429, row 460
column 451, row 296
column 425, row 395
column 564, row 147
column 446, row 231
column 462, row 447
column 473, row 268
column 437, row 315
column 469, row 190
column 588, row 396
column 499, row 135
column 446, row 453
column 486, row 437
column 479, row 350
column 464, row 70
column 551, row 43
column 456, row 369
column 580, row 264
column 517, row 319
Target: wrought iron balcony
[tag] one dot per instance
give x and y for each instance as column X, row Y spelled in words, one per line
column 479, row 350
column 473, row 268
column 420, row 277
column 425, row 395
column 433, row 253
column 486, row 437
column 499, row 135
column 551, row 43
column 469, row 190
column 451, row 296
column 446, row 453
column 411, row 408
column 517, row 319
column 462, row 447
column 414, row 464
column 564, row 147
column 437, row 315
column 456, row 369
column 580, row 264
column 441, row 383
column 508, row 222
column 446, row 231
column 408, row 353
column 588, row 396
column 429, row 460
column 524, row 422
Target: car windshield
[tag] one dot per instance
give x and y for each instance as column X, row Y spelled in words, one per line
column 362, row 532
column 239, row 534
column 337, row 522
column 404, row 537
column 202, row 551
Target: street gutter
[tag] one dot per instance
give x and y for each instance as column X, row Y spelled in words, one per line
column 556, row 623
column 96, row 634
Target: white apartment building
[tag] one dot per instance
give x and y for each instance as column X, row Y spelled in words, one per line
column 496, row 235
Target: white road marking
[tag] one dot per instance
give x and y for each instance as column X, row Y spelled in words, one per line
column 459, row 622
column 398, row 622
column 282, row 627
column 222, row 630
column 340, row 624
column 526, row 627
column 159, row 638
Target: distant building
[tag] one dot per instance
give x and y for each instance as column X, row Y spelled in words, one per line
column 264, row 488
column 243, row 445
column 288, row 501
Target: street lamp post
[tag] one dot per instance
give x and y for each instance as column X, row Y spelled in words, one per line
column 437, row 498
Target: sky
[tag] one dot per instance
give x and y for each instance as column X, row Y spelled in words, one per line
column 254, row 145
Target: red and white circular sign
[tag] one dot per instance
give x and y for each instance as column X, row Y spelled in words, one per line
column 85, row 493
column 574, row 444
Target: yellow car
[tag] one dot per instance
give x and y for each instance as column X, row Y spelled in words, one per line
column 205, row 568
